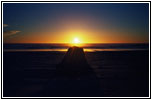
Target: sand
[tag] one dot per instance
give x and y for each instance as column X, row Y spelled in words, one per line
column 121, row 73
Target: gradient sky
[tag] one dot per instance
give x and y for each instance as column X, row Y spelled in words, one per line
column 90, row 22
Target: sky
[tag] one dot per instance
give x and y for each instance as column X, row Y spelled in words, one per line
column 88, row 22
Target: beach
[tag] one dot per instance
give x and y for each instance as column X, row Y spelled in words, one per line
column 121, row 73
column 76, row 49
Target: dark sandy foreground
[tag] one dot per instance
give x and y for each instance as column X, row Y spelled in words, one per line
column 121, row 73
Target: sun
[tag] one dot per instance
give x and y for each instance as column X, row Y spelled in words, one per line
column 76, row 40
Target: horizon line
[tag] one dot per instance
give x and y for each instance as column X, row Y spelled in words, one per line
column 80, row 43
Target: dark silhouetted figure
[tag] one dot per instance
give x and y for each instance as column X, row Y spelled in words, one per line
column 74, row 76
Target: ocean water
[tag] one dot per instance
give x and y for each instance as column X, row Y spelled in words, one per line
column 64, row 47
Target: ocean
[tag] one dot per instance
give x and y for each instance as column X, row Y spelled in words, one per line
column 64, row 47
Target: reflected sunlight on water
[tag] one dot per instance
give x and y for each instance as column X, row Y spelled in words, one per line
column 64, row 47
column 64, row 50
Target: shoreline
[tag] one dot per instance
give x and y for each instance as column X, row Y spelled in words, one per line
column 65, row 50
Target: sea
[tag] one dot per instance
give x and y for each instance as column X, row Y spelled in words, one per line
column 64, row 46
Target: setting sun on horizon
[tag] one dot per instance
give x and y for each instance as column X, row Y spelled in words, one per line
column 88, row 22
column 76, row 40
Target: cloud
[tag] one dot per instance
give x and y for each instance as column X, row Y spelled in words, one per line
column 5, row 25
column 10, row 33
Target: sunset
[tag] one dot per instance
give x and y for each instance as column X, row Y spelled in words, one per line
column 76, row 49
column 58, row 23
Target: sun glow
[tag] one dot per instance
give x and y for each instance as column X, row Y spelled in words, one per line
column 76, row 40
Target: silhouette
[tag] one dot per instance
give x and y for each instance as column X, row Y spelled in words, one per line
column 74, row 76
column 74, row 65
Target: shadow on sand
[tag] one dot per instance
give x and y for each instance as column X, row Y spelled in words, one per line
column 74, row 77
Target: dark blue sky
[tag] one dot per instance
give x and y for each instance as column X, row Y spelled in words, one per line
column 105, row 22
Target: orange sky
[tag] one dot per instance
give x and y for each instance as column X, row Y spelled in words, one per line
column 61, row 23
column 83, row 36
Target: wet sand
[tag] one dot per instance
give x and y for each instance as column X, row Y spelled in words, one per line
column 121, row 73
